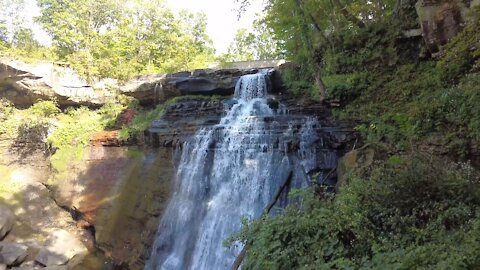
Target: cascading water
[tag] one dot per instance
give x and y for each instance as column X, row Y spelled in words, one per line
column 228, row 171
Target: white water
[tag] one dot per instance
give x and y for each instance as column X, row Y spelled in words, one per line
column 226, row 172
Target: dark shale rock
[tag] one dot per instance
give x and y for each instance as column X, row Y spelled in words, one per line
column 153, row 89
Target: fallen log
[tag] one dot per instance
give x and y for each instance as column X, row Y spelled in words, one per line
column 238, row 261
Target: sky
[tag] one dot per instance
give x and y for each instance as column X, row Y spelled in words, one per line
column 222, row 19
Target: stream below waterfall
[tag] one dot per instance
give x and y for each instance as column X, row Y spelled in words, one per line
column 232, row 170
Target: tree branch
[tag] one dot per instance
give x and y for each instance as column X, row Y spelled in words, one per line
column 349, row 16
column 238, row 261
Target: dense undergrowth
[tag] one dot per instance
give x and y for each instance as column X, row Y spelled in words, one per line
column 406, row 212
column 418, row 205
column 414, row 101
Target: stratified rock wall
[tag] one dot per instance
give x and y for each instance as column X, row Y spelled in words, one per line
column 24, row 84
column 153, row 89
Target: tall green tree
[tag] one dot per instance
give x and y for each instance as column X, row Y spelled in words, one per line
column 11, row 18
column 3, row 32
column 305, row 28
column 121, row 39
column 257, row 44
column 75, row 25
column 23, row 38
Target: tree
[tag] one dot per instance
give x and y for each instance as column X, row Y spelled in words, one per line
column 304, row 29
column 3, row 32
column 254, row 45
column 121, row 39
column 23, row 38
column 11, row 18
column 75, row 25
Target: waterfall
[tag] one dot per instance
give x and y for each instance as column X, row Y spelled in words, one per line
column 229, row 171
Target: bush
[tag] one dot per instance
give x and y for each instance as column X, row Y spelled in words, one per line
column 407, row 212
column 45, row 108
column 345, row 86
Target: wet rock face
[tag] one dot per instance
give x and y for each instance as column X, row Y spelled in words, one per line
column 119, row 193
column 182, row 120
column 441, row 20
column 153, row 89
column 185, row 118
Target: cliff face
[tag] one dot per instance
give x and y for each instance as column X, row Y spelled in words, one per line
column 441, row 20
column 24, row 84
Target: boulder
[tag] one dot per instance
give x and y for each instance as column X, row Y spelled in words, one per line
column 153, row 89
column 60, row 267
column 6, row 220
column 441, row 20
column 12, row 253
column 60, row 247
column 353, row 161
column 24, row 84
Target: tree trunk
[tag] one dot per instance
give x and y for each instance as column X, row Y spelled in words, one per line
column 349, row 16
column 321, row 86
column 238, row 261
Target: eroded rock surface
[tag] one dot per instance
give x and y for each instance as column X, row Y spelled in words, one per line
column 153, row 89
column 60, row 248
column 24, row 84
column 119, row 193
column 12, row 253
column 6, row 220
column 442, row 19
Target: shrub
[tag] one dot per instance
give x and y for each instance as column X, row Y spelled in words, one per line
column 406, row 212
column 46, row 108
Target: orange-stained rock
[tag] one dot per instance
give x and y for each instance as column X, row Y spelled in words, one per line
column 106, row 138
column 121, row 193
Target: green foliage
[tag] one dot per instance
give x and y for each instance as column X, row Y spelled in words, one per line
column 141, row 122
column 258, row 44
column 341, row 86
column 297, row 80
column 462, row 54
column 31, row 124
column 45, row 108
column 23, row 38
column 76, row 126
column 8, row 119
column 144, row 118
column 74, row 129
column 398, row 128
column 124, row 39
column 3, row 34
column 6, row 109
column 407, row 212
